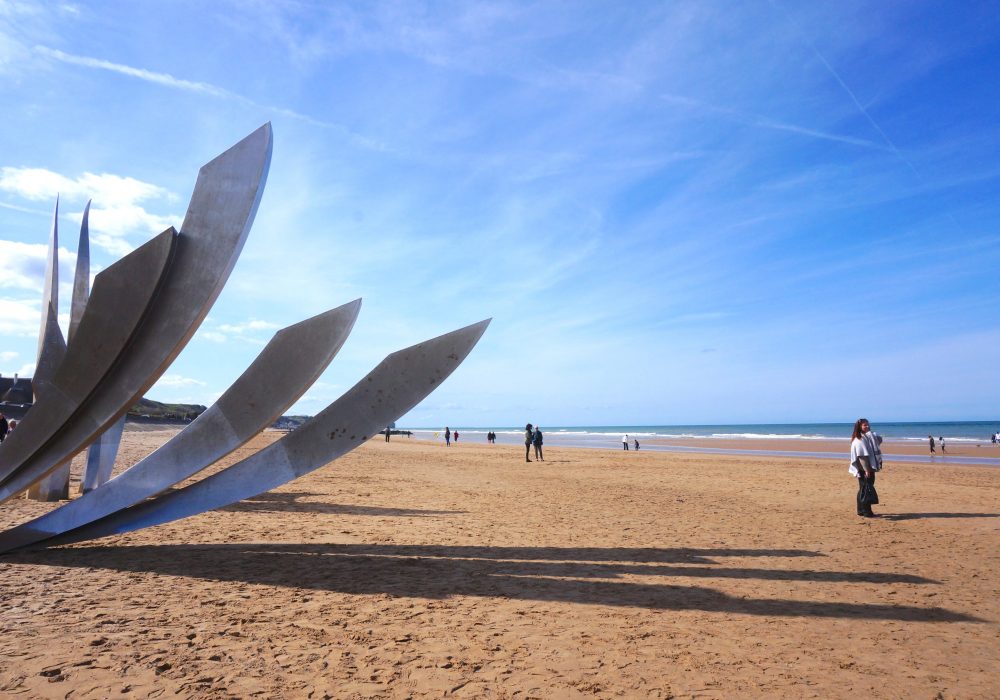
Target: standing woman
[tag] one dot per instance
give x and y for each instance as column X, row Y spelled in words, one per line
column 528, row 437
column 866, row 459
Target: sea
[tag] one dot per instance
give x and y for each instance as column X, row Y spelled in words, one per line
column 610, row 436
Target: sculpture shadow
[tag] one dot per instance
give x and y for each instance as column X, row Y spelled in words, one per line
column 921, row 516
column 587, row 576
column 290, row 502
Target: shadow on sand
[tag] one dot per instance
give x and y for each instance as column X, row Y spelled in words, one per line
column 921, row 516
column 574, row 575
column 290, row 501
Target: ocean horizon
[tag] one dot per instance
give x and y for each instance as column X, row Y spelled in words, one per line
column 904, row 431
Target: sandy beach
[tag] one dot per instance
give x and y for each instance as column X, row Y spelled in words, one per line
column 411, row 570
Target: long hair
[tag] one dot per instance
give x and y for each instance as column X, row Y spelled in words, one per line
column 857, row 428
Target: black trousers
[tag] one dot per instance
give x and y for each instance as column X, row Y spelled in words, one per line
column 864, row 508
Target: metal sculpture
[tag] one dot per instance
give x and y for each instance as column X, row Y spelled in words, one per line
column 215, row 228
column 287, row 366
column 121, row 296
column 101, row 457
column 396, row 385
column 51, row 352
column 113, row 357
column 101, row 454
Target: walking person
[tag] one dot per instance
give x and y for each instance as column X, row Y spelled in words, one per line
column 455, row 435
column 866, row 459
column 536, row 440
column 931, row 439
column 636, row 445
column 625, row 442
column 447, row 436
column 387, row 433
column 529, row 435
column 941, row 442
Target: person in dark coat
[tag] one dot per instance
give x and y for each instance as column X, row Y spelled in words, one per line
column 536, row 440
column 529, row 435
column 4, row 427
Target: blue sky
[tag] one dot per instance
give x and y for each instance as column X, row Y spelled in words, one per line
column 675, row 212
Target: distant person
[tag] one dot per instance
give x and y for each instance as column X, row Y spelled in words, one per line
column 625, row 441
column 866, row 459
column 13, row 424
column 941, row 442
column 455, row 435
column 529, row 435
column 930, row 438
column 4, row 427
column 636, row 445
column 536, row 440
column 387, row 433
column 447, row 436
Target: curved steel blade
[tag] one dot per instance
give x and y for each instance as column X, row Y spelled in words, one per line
column 122, row 293
column 55, row 486
column 395, row 386
column 101, row 457
column 81, row 280
column 218, row 219
column 50, row 292
column 289, row 365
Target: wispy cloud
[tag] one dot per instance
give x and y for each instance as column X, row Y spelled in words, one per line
column 140, row 73
column 175, row 381
column 761, row 121
column 170, row 81
column 246, row 332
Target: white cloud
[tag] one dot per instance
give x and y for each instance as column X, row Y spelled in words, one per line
column 174, row 381
column 22, row 265
column 246, row 332
column 7, row 356
column 213, row 336
column 252, row 325
column 19, row 317
column 116, row 212
column 105, row 188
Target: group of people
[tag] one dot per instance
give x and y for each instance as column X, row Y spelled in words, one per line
column 625, row 442
column 996, row 438
column 449, row 436
column 6, row 427
column 533, row 436
column 940, row 442
column 491, row 437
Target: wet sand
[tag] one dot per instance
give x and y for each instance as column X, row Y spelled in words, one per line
column 890, row 447
column 413, row 570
